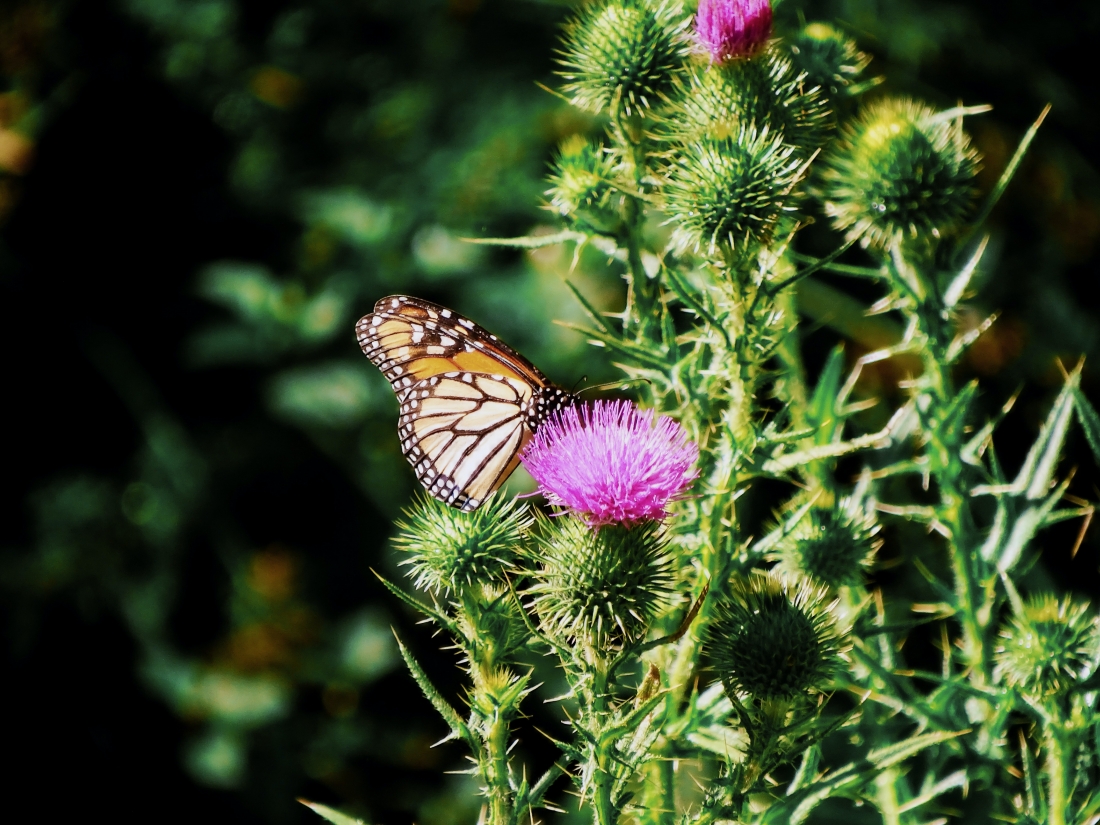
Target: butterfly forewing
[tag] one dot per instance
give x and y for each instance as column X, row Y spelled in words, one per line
column 469, row 403
column 410, row 339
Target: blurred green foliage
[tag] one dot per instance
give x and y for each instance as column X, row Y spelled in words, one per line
column 366, row 140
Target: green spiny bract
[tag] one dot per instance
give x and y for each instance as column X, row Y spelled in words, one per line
column 1050, row 647
column 829, row 58
column 498, row 692
column 902, row 171
column 831, row 545
column 623, row 55
column 599, row 587
column 493, row 630
column 725, row 195
column 773, row 638
column 766, row 91
column 582, row 191
column 448, row 548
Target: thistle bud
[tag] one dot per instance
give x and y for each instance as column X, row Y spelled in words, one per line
column 833, row 546
column 774, row 640
column 448, row 549
column 582, row 191
column 767, row 92
column 901, row 172
column 725, row 195
column 623, row 55
column 733, row 29
column 1049, row 647
column 829, row 58
column 600, row 587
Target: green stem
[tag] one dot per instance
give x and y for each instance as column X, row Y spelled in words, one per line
column 500, row 797
column 603, row 778
column 641, row 290
column 953, row 509
column 886, row 796
column 1057, row 771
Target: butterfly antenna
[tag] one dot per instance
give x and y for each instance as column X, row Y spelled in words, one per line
column 611, row 385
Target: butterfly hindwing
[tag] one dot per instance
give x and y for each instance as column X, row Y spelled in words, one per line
column 463, row 432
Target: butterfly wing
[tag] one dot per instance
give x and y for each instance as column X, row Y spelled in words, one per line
column 469, row 402
column 463, row 432
column 410, row 339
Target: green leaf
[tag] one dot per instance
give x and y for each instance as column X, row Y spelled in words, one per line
column 331, row 814
column 593, row 313
column 822, row 411
column 1027, row 523
column 796, row 807
column 439, row 618
column 894, row 754
column 956, row 780
column 1035, row 477
column 779, row 464
column 1003, row 182
column 955, row 417
column 1090, row 421
column 807, row 769
column 1036, row 800
column 613, row 342
column 531, row 241
column 957, row 288
column 449, row 714
column 683, row 292
column 846, row 315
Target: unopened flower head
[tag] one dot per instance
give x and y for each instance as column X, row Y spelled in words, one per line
column 601, row 587
column 774, row 638
column 623, row 55
column 611, row 462
column 832, row 545
column 903, row 171
column 1052, row 645
column 731, row 29
column 448, row 549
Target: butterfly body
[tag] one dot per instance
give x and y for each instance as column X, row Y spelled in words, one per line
column 469, row 403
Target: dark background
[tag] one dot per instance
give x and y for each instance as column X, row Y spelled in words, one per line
column 199, row 466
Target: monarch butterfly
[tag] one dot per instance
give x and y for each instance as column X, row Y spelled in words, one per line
column 469, row 403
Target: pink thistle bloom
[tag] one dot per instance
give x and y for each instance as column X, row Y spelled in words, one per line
column 729, row 29
column 611, row 462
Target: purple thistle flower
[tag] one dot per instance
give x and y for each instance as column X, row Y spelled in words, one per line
column 611, row 462
column 729, row 29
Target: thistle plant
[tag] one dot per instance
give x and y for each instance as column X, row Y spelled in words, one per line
column 718, row 668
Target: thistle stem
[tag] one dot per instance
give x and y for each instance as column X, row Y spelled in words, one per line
column 944, row 446
column 603, row 778
column 1057, row 770
column 501, row 812
column 641, row 292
